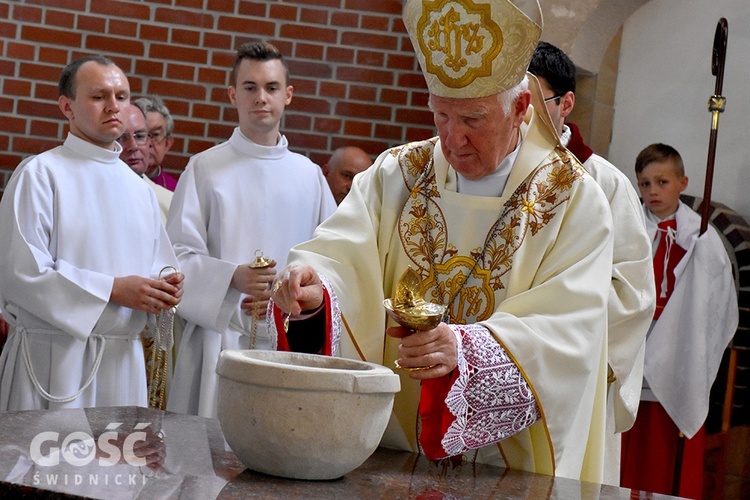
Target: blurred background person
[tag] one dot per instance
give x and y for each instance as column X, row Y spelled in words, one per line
column 344, row 164
column 160, row 130
column 136, row 148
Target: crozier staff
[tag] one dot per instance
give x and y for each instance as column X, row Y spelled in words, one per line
column 505, row 228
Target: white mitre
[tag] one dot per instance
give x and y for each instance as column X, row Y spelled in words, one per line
column 472, row 48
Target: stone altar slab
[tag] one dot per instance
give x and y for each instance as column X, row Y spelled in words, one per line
column 133, row 452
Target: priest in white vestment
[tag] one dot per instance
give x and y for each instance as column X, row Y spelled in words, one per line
column 81, row 253
column 632, row 296
column 505, row 228
column 246, row 198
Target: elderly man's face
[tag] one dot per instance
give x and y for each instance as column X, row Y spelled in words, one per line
column 160, row 141
column 134, row 141
column 341, row 169
column 476, row 134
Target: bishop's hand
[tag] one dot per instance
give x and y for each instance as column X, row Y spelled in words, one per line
column 426, row 354
column 297, row 289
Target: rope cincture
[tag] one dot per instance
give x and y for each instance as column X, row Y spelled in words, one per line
column 38, row 386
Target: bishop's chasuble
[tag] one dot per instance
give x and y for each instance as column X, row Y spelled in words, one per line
column 531, row 269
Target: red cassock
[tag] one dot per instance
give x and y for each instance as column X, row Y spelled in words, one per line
column 649, row 448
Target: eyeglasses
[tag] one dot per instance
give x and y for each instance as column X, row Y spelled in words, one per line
column 553, row 98
column 157, row 137
column 139, row 137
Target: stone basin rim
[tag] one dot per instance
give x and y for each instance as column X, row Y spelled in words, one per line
column 249, row 367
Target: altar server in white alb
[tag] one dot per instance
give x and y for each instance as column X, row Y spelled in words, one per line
column 82, row 250
column 244, row 200
column 505, row 228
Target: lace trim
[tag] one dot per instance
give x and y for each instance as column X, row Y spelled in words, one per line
column 335, row 315
column 271, row 325
column 490, row 399
column 335, row 319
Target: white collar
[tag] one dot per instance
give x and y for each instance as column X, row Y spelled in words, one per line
column 566, row 135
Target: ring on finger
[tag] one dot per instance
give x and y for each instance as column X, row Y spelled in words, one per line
column 276, row 287
column 413, row 368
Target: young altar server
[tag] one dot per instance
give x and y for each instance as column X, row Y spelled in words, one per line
column 696, row 316
column 245, row 197
column 82, row 249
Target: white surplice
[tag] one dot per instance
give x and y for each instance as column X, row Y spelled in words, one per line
column 685, row 345
column 632, row 297
column 631, row 302
column 233, row 199
column 163, row 196
column 72, row 219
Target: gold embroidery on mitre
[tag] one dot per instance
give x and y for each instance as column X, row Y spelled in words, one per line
column 471, row 48
column 459, row 41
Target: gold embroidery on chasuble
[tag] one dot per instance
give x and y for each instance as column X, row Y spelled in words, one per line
column 468, row 282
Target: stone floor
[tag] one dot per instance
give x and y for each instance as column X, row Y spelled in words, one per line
column 734, row 483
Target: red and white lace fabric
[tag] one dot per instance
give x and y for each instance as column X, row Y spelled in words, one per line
column 490, row 399
column 483, row 401
column 335, row 312
column 330, row 304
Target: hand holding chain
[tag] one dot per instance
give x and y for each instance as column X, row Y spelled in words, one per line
column 260, row 262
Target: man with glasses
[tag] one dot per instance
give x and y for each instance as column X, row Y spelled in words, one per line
column 136, row 147
column 632, row 297
column 160, row 129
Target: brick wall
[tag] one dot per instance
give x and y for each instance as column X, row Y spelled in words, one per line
column 352, row 65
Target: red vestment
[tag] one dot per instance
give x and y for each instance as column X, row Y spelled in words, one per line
column 649, row 448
